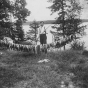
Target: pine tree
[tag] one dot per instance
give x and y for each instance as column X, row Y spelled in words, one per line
column 20, row 13
column 5, row 21
column 17, row 10
column 68, row 20
column 32, row 33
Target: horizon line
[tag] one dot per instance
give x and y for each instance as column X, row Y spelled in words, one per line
column 48, row 21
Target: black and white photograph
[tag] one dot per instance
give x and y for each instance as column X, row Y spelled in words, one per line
column 43, row 43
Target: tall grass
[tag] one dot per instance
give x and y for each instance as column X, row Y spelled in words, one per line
column 72, row 62
column 68, row 66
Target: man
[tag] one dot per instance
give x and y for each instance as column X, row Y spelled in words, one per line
column 42, row 36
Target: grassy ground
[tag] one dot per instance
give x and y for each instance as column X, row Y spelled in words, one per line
column 22, row 70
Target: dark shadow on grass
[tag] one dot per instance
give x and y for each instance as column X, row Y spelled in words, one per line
column 9, row 77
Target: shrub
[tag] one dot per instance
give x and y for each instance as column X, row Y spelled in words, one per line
column 85, row 52
column 76, row 45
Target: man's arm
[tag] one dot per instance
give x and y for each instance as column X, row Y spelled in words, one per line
column 38, row 33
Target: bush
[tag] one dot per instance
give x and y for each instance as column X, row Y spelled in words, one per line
column 85, row 52
column 76, row 45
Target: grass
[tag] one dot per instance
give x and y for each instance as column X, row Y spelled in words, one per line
column 22, row 70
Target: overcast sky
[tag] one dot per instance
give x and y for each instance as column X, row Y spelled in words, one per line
column 39, row 10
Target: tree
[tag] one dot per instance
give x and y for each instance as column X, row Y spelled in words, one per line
column 5, row 22
column 17, row 10
column 32, row 33
column 68, row 20
column 20, row 13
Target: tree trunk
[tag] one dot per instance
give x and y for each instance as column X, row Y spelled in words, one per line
column 63, row 23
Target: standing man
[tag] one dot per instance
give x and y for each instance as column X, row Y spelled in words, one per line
column 42, row 36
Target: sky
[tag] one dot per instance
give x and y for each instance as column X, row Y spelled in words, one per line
column 39, row 11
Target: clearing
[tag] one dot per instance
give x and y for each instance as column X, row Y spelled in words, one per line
column 24, row 70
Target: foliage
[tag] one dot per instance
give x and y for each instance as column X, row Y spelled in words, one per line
column 5, row 20
column 76, row 45
column 20, row 13
column 33, row 31
column 16, row 10
column 85, row 52
column 68, row 22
